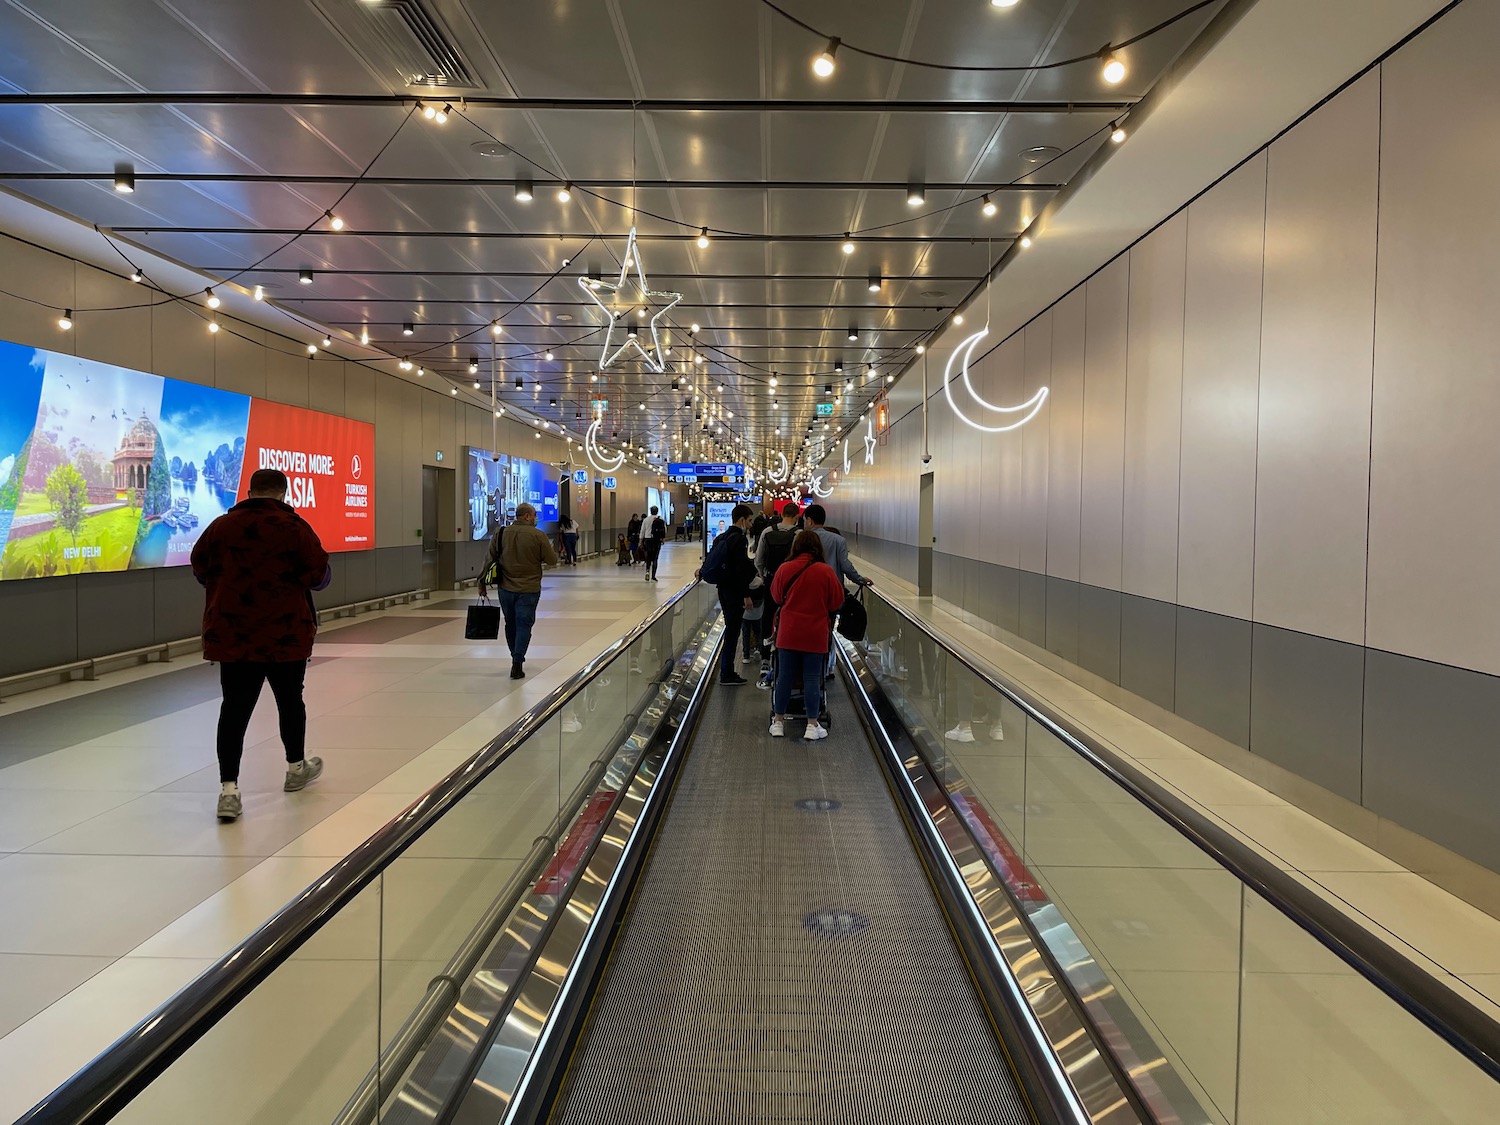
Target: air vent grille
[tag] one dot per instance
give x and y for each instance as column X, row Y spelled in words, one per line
column 417, row 43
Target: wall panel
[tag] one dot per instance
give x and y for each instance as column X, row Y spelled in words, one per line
column 1065, row 440
column 1037, row 346
column 1102, row 491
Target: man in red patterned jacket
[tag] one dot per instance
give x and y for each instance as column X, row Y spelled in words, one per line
column 259, row 563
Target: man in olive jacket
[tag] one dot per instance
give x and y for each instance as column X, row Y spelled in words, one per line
column 514, row 564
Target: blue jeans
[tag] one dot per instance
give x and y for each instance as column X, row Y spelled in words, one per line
column 520, row 616
column 570, row 547
column 790, row 664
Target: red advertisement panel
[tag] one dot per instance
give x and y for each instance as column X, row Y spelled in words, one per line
column 330, row 464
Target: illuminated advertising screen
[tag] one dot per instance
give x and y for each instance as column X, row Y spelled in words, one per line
column 498, row 482
column 719, row 513
column 105, row 469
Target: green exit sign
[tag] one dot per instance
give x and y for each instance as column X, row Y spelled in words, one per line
column 825, row 409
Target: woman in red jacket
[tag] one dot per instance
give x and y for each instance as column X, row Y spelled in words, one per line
column 808, row 593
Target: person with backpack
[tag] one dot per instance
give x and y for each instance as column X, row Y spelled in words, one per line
column 836, row 553
column 514, row 564
column 775, row 548
column 808, row 594
column 656, row 535
column 633, row 537
column 728, row 567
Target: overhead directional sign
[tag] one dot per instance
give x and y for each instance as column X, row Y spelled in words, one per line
column 700, row 472
column 825, row 409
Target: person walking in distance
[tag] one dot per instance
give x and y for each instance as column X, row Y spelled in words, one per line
column 570, row 541
column 514, row 564
column 656, row 535
column 774, row 548
column 728, row 567
column 633, row 537
column 259, row 564
column 808, row 594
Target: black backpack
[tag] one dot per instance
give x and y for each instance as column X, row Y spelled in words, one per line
column 778, row 544
column 853, row 620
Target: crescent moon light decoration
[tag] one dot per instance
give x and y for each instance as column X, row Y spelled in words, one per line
column 1027, row 410
column 780, row 476
column 602, row 461
column 846, row 456
column 818, row 490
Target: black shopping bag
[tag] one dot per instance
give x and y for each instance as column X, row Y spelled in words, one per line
column 483, row 623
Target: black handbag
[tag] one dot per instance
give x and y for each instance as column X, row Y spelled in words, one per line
column 483, row 623
column 853, row 620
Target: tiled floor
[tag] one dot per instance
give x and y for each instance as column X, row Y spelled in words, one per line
column 118, row 885
column 1262, row 1022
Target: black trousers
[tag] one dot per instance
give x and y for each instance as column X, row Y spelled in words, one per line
column 241, row 682
column 734, row 618
column 653, row 554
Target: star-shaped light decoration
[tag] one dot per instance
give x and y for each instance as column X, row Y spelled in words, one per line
column 871, row 441
column 652, row 356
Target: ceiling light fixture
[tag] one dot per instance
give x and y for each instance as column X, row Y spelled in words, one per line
column 848, row 246
column 548, row 357
column 312, row 349
column 124, row 179
column 495, row 328
column 213, row 326
column 519, row 383
column 1114, row 66
column 333, row 220
column 1025, row 241
column 210, row 300
column 427, row 111
column 874, row 281
column 473, row 366
column 958, row 318
column 405, row 364
column 136, row 275
column 1117, row 132
column 853, row 332
column 259, row 294
column 305, row 277
column 564, row 194
column 407, row 329
column 823, row 65
column 328, row 341
column 703, row 238
column 916, row 195
column 921, row 348
column 523, row 191
column 989, row 208
column 442, row 115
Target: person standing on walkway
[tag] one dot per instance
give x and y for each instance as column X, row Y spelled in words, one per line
column 808, row 594
column 728, row 567
column 656, row 535
column 774, row 548
column 514, row 564
column 633, row 537
column 259, row 564
column 570, row 541
column 835, row 553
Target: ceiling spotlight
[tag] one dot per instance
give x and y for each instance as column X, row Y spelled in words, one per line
column 874, row 281
column 848, row 247
column 1025, row 241
column 473, row 366
column 333, row 220
column 407, row 329
column 328, row 341
column 1117, row 132
column 853, row 332
column 989, row 208
column 496, row 329
column 1114, row 67
column 135, row 275
column 564, row 194
column 823, row 64
column 703, row 238
column 523, row 191
column 519, row 385
column 124, row 179
column 305, row 277
column 632, row 331
column 548, row 357
column 916, row 195
column 838, row 365
column 210, row 300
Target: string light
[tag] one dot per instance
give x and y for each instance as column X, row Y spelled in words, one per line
column 1114, row 67
column 1025, row 241
column 259, row 294
column 442, row 115
column 958, row 318
column 210, row 300
column 135, row 275
column 1117, row 132
column 405, row 364
column 848, row 246
column 328, row 341
column 921, row 348
column 496, row 328
column 989, row 208
column 473, row 366
column 703, row 238
column 124, row 179
column 427, row 111
column 1003, row 3
column 564, row 194
column 694, row 328
column 548, row 357
column 823, row 65
column 333, row 220
column 312, row 349
column 213, row 326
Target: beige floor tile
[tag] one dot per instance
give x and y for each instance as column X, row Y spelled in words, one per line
column 1300, row 840
column 126, row 769
column 1208, row 783
column 350, row 826
column 30, row 982
column 28, row 816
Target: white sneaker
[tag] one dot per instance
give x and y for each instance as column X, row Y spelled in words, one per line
column 961, row 733
column 571, row 725
column 298, row 776
column 814, row 732
column 778, row 728
column 997, row 732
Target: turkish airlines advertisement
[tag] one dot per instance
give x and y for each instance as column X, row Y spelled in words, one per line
column 103, row 468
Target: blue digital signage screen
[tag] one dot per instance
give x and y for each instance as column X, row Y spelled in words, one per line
column 498, row 482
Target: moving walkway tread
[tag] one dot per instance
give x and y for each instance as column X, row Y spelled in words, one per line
column 784, row 958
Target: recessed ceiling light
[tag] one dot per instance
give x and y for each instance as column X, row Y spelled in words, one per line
column 489, row 148
column 1040, row 154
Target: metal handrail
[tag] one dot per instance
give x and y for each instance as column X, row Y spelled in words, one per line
column 1463, row 1025
column 108, row 1083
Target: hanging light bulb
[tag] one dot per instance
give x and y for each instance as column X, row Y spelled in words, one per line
column 496, row 329
column 823, row 65
column 1114, row 67
column 1025, row 241
column 849, row 385
column 1117, row 132
column 958, row 318
column 703, row 238
column 427, row 111
column 548, row 357
column 442, row 115
column 210, row 300
column 364, row 335
column 641, row 312
column 333, row 220
column 921, row 348
column 694, row 329
column 312, row 349
column 989, row 208
column 473, row 366
column 259, row 294
column 135, row 275
column 328, row 341
column 564, row 194
column 213, row 326
column 405, row 364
